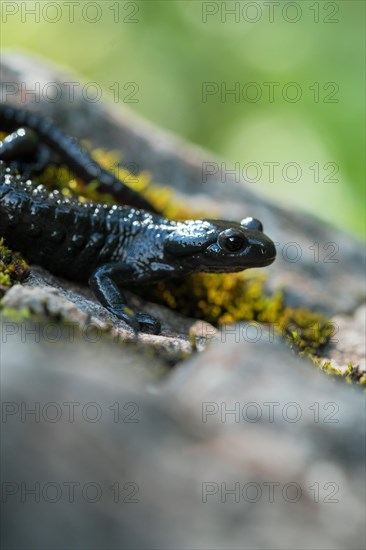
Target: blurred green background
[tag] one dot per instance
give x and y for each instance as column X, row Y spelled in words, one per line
column 171, row 49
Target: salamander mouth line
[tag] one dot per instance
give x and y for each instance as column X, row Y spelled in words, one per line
column 233, row 269
column 262, row 263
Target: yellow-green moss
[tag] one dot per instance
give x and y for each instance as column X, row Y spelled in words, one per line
column 353, row 373
column 16, row 315
column 13, row 268
column 227, row 298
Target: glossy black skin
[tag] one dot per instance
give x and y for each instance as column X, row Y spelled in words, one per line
column 115, row 246
column 52, row 143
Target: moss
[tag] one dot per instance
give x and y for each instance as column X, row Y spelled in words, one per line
column 353, row 373
column 227, row 298
column 16, row 315
column 13, row 268
column 217, row 298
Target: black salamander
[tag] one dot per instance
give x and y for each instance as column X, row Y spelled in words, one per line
column 116, row 246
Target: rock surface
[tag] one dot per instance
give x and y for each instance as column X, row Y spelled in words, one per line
column 242, row 446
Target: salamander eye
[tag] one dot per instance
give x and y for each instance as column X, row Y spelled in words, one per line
column 232, row 241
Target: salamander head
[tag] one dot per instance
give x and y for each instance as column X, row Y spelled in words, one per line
column 220, row 246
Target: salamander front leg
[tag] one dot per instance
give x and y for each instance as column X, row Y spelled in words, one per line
column 103, row 284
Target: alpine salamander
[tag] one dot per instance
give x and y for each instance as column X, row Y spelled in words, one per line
column 113, row 246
